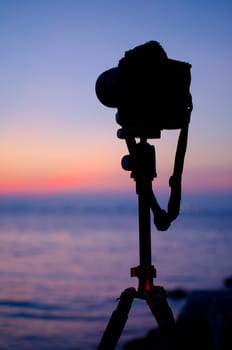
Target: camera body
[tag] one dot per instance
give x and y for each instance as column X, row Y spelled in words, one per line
column 149, row 90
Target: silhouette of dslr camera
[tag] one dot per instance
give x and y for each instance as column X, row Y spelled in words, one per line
column 149, row 90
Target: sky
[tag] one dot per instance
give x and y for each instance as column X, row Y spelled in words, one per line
column 55, row 135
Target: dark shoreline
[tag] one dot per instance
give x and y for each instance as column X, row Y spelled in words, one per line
column 205, row 322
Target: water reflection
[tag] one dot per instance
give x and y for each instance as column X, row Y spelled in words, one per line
column 61, row 271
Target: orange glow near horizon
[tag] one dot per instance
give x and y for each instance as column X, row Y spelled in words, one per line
column 44, row 185
column 31, row 165
column 195, row 180
column 62, row 184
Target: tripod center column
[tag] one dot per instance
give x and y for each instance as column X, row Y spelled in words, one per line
column 143, row 173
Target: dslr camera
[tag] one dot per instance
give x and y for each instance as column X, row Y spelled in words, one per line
column 149, row 90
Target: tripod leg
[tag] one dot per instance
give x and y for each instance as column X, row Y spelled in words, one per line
column 156, row 299
column 158, row 304
column 117, row 321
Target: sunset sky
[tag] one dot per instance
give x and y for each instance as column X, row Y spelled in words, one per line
column 55, row 136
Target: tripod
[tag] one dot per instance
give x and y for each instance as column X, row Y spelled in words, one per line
column 141, row 162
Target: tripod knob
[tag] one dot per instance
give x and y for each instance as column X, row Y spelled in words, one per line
column 126, row 163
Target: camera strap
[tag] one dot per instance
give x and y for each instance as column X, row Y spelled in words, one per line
column 163, row 219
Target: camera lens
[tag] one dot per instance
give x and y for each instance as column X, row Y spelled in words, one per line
column 107, row 87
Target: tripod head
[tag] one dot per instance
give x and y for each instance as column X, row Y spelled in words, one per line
column 141, row 161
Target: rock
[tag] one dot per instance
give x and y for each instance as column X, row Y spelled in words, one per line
column 228, row 282
column 177, row 293
column 207, row 315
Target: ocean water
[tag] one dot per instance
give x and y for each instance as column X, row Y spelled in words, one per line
column 64, row 261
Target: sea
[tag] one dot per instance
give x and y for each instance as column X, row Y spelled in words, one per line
column 66, row 259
